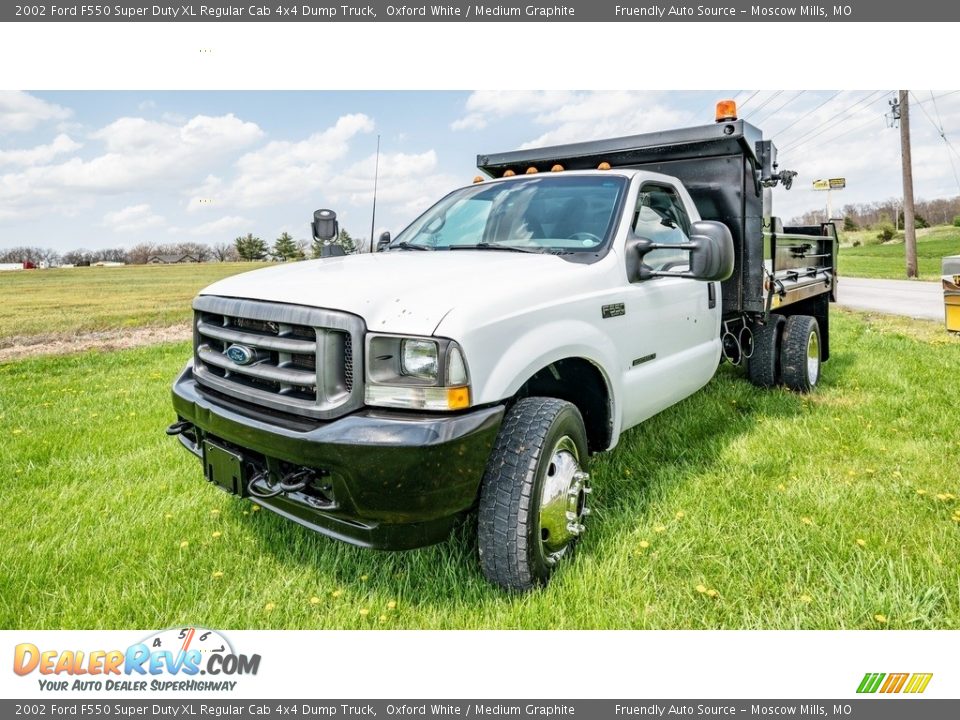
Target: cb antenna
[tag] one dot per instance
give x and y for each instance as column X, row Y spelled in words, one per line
column 376, row 175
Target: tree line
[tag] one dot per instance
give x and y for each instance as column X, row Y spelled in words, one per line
column 244, row 248
column 857, row 216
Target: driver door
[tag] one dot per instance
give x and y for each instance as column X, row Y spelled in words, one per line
column 672, row 347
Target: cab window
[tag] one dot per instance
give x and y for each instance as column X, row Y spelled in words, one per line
column 661, row 217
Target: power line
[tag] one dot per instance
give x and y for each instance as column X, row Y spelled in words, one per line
column 832, row 123
column 749, row 98
column 806, row 114
column 941, row 132
column 771, row 113
column 767, row 101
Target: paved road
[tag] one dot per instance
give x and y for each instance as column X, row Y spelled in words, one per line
column 896, row 297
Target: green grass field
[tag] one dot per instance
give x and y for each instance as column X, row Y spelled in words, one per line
column 737, row 508
column 875, row 260
column 77, row 300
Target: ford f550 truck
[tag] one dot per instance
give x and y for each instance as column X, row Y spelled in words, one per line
column 522, row 323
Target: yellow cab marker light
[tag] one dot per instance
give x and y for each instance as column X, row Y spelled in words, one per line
column 509, row 173
column 557, row 168
column 532, row 170
column 603, row 166
column 477, row 179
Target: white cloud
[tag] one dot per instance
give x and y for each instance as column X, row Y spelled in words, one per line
column 284, row 170
column 132, row 218
column 227, row 224
column 146, row 105
column 61, row 145
column 20, row 111
column 573, row 116
column 140, row 156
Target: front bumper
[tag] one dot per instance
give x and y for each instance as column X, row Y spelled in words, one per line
column 394, row 480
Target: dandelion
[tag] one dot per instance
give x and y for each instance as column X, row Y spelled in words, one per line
column 921, row 491
column 214, row 512
column 364, row 612
column 216, row 534
column 680, row 514
column 17, row 431
column 246, row 512
column 364, row 578
column 644, row 544
column 337, row 593
column 712, row 593
column 882, row 619
column 255, row 508
column 701, row 588
column 781, row 487
column 869, row 471
column 852, row 473
column 660, row 528
column 270, row 607
column 806, row 520
column 217, row 575
column 897, row 474
column 184, row 544
column 168, row 516
column 861, row 542
column 383, row 618
column 806, row 598
column 314, row 600
column 942, row 496
column 392, row 605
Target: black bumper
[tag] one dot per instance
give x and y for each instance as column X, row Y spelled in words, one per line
column 393, row 480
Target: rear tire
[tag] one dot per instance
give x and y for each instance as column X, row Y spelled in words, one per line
column 800, row 353
column 533, row 495
column 763, row 367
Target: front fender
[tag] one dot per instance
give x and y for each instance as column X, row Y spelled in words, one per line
column 498, row 376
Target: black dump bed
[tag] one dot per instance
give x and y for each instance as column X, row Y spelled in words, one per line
column 726, row 167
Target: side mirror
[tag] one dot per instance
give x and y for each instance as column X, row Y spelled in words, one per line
column 711, row 254
column 383, row 240
column 325, row 225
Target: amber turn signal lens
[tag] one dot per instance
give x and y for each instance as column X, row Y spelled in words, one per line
column 458, row 398
column 509, row 173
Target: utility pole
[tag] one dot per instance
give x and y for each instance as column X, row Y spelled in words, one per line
column 909, row 225
column 373, row 215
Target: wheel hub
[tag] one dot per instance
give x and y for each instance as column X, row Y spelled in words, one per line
column 813, row 358
column 563, row 500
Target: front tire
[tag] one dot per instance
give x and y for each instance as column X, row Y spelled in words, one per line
column 800, row 353
column 533, row 495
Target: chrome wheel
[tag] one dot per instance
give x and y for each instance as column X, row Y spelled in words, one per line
column 813, row 358
column 563, row 500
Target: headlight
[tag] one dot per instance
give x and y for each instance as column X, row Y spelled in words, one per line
column 419, row 359
column 416, row 373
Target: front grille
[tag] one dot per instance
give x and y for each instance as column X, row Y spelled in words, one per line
column 287, row 357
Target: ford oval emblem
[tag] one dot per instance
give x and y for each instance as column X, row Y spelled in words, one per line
column 241, row 354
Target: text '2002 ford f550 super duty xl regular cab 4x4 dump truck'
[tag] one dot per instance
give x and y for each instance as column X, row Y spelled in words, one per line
column 515, row 327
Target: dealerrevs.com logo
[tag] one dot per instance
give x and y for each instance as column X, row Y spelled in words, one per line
column 172, row 659
column 892, row 683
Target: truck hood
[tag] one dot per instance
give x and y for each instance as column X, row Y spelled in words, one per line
column 406, row 292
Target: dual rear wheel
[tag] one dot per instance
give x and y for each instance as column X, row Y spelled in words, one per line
column 786, row 351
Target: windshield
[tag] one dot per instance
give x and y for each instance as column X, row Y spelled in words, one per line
column 538, row 214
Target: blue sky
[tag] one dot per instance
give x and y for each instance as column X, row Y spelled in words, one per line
column 101, row 169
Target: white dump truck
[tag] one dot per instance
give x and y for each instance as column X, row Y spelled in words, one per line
column 521, row 324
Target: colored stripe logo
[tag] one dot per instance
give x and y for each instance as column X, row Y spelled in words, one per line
column 913, row 683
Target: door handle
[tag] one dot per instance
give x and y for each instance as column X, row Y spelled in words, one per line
column 711, row 295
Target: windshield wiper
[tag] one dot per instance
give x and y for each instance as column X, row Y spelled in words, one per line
column 496, row 246
column 410, row 246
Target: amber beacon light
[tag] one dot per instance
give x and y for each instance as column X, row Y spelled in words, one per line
column 726, row 111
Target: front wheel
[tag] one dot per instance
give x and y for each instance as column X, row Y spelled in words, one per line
column 534, row 493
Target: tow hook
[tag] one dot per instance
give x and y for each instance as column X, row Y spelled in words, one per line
column 178, row 428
